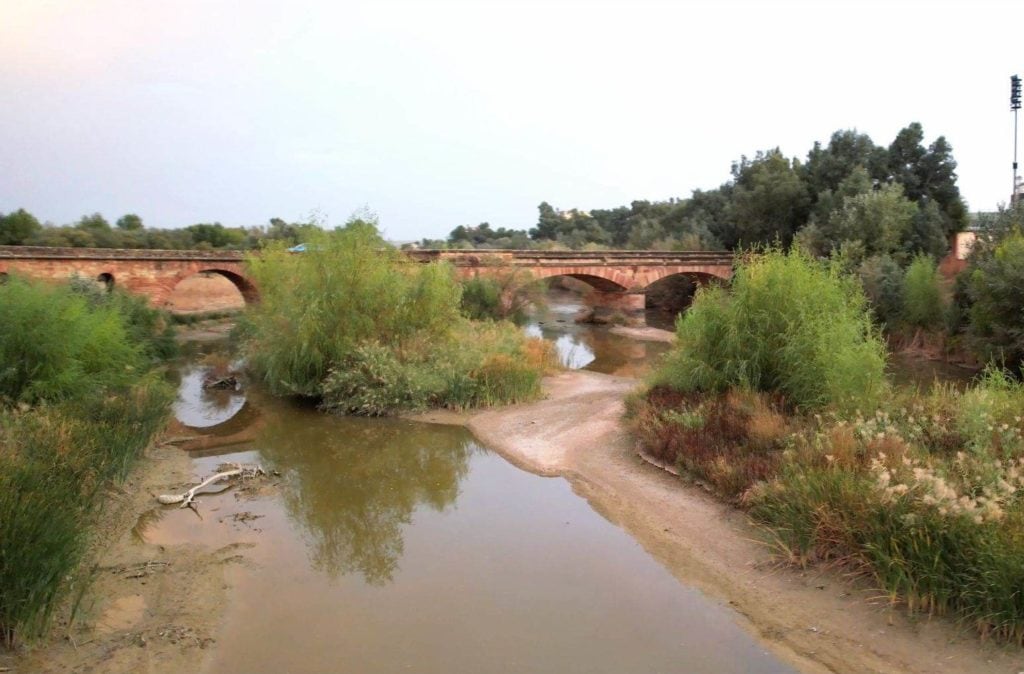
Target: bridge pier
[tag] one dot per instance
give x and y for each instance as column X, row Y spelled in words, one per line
column 606, row 304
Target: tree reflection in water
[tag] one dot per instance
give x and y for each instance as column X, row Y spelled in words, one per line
column 353, row 483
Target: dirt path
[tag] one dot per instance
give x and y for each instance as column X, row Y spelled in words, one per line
column 818, row 621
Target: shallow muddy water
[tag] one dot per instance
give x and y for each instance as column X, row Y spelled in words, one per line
column 396, row 546
column 590, row 347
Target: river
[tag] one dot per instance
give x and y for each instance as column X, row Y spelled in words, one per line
column 397, row 546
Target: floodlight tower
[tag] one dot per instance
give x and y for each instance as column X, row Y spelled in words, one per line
column 1015, row 106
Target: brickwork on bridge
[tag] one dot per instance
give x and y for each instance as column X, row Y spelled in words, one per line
column 153, row 273
column 618, row 277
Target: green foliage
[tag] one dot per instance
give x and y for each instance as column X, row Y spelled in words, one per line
column 80, row 357
column 18, row 228
column 996, row 328
column 493, row 364
column 481, row 298
column 54, row 463
column 317, row 307
column 923, row 305
column 882, row 280
column 925, row 495
column 769, row 200
column 130, row 222
column 369, row 332
column 789, row 324
column 880, row 219
column 55, row 345
column 504, row 293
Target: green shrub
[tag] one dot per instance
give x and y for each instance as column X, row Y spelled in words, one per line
column 316, row 308
column 923, row 306
column 481, row 298
column 996, row 327
column 55, row 345
column 483, row 365
column 789, row 324
column 882, row 279
column 357, row 325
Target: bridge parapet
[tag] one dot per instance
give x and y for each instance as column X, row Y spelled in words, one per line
column 53, row 253
column 561, row 258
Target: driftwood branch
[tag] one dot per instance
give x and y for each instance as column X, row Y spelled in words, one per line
column 233, row 470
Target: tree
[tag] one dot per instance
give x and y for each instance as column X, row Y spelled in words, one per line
column 129, row 222
column 769, row 199
column 549, row 223
column 928, row 174
column 94, row 223
column 847, row 150
column 879, row 219
column 17, row 228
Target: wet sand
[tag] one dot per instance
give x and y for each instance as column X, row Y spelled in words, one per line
column 644, row 334
column 817, row 620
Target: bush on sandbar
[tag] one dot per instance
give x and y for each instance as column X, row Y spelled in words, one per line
column 357, row 325
column 789, row 325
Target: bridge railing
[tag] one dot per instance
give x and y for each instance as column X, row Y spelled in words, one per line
column 475, row 257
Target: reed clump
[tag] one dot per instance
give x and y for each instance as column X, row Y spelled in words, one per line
column 356, row 325
column 78, row 402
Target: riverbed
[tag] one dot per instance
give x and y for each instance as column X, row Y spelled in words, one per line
column 397, row 545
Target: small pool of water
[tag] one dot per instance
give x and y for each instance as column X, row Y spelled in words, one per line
column 590, row 347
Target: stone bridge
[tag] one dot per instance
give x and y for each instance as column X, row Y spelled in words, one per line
column 619, row 278
column 153, row 273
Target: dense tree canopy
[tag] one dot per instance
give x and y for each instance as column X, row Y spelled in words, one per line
column 899, row 200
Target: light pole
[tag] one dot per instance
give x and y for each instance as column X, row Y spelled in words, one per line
column 1015, row 106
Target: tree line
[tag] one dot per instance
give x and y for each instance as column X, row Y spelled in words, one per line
column 898, row 200
column 21, row 228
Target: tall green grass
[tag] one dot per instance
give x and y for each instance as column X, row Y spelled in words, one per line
column 788, row 324
column 360, row 327
column 79, row 404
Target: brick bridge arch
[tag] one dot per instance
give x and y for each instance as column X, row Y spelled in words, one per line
column 152, row 273
column 619, row 278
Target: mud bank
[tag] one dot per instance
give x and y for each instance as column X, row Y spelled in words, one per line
column 817, row 620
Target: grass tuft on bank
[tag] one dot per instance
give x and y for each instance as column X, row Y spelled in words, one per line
column 78, row 402
column 921, row 492
column 364, row 330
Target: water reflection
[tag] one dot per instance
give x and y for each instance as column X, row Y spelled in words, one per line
column 590, row 347
column 353, row 484
column 197, row 407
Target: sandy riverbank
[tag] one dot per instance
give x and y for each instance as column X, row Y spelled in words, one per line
column 817, row 620
column 151, row 607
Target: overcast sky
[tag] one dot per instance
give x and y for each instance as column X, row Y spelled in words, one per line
column 436, row 114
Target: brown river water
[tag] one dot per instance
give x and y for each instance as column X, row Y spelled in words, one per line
column 397, row 546
column 385, row 545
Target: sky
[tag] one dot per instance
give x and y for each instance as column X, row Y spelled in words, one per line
column 438, row 114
